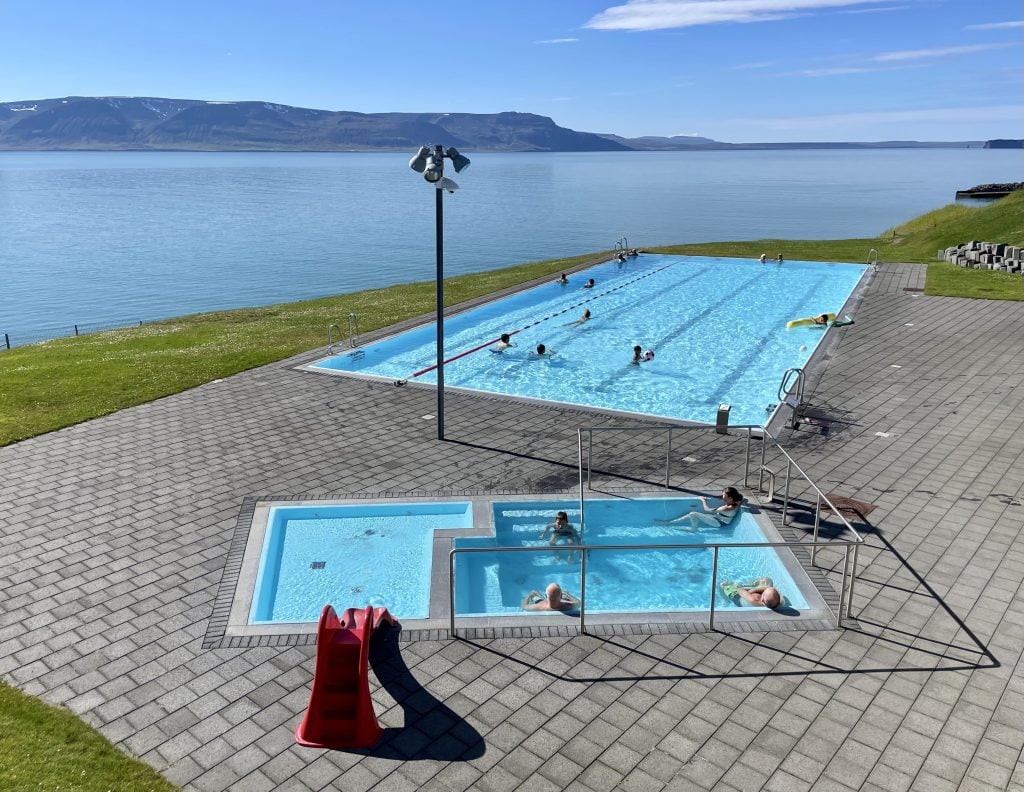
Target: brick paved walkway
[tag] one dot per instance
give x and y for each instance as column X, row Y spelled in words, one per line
column 116, row 532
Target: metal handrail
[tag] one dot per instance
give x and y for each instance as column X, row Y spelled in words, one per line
column 353, row 329
column 583, row 549
column 791, row 464
column 875, row 262
column 330, row 327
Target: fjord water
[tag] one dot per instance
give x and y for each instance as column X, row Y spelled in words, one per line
column 92, row 238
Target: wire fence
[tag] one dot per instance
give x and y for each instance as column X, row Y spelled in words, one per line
column 66, row 330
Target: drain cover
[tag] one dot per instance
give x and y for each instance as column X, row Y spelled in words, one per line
column 318, row 565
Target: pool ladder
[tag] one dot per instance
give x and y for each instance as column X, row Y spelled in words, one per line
column 791, row 393
column 352, row 324
column 622, row 244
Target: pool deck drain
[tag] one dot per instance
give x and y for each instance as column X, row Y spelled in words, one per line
column 117, row 532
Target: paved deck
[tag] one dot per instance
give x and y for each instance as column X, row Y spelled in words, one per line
column 116, row 534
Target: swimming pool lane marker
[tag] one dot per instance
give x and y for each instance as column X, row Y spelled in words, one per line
column 400, row 382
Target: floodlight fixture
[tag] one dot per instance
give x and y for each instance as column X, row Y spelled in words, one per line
column 459, row 161
column 419, row 162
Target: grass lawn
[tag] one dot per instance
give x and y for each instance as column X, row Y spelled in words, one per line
column 47, row 748
column 58, row 383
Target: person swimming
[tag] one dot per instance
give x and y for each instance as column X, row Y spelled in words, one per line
column 584, row 318
column 589, row 284
column 563, row 280
column 542, row 351
column 504, row 342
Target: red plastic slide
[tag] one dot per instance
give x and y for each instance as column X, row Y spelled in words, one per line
column 340, row 712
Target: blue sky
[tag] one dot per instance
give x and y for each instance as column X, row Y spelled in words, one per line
column 733, row 70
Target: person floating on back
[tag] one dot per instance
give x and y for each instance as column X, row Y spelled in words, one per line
column 584, row 318
column 553, row 599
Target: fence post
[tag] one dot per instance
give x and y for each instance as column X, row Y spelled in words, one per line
column 76, row 329
column 583, row 591
column 7, row 340
column 668, row 458
column 451, row 593
column 817, row 523
column 714, row 581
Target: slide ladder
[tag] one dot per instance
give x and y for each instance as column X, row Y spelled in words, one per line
column 340, row 712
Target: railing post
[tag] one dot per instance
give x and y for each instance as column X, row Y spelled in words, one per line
column 760, row 478
column 785, row 500
column 76, row 329
column 842, row 588
column 451, row 593
column 583, row 590
column 579, row 438
column 714, row 585
column 853, row 580
column 590, row 459
column 746, row 462
column 817, row 522
column 668, row 458
column 7, row 340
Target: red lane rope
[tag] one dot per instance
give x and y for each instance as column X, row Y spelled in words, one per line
column 533, row 324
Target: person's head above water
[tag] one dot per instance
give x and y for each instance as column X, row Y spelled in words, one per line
column 731, row 495
column 586, row 313
column 771, row 598
column 541, row 349
column 554, row 593
column 505, row 338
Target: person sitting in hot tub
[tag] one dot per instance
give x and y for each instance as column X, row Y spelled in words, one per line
column 761, row 592
column 717, row 517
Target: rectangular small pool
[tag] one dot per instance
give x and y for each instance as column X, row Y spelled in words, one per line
column 618, row 581
column 717, row 328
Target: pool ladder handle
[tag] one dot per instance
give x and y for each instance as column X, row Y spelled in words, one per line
column 353, row 332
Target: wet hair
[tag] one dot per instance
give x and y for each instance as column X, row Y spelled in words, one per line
column 541, row 349
column 734, row 494
column 561, row 516
column 505, row 337
column 637, row 349
column 586, row 312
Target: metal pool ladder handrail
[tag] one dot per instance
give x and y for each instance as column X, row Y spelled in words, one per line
column 764, row 436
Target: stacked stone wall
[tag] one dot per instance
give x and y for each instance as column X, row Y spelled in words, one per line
column 986, row 255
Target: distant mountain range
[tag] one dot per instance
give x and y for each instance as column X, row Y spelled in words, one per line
column 147, row 123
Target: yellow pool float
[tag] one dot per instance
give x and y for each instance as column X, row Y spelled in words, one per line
column 810, row 320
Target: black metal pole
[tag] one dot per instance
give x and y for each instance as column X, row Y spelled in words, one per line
column 440, row 313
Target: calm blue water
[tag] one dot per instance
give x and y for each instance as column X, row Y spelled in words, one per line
column 617, row 580
column 717, row 328
column 376, row 554
column 103, row 237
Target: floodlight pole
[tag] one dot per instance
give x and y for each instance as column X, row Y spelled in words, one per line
column 439, row 215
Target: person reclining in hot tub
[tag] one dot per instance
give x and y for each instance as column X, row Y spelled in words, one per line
column 717, row 517
column 553, row 599
column 761, row 592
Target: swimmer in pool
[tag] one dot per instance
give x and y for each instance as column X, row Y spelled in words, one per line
column 718, row 517
column 503, row 343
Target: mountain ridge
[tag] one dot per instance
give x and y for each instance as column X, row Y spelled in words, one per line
column 110, row 123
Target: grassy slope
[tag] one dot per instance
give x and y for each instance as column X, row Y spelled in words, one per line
column 58, row 383
column 44, row 747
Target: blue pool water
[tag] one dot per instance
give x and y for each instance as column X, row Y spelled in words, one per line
column 717, row 327
column 617, row 580
column 376, row 554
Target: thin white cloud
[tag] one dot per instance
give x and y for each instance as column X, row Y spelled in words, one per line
column 1019, row 23
column 747, row 66
column 837, row 71
column 667, row 14
column 557, row 41
column 1011, row 113
column 967, row 49
column 875, row 10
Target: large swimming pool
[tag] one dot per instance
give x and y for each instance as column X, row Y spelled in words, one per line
column 717, row 327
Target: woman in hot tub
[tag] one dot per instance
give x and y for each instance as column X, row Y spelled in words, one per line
column 713, row 517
